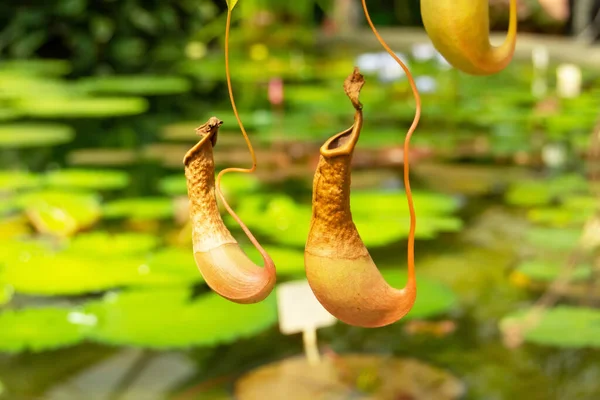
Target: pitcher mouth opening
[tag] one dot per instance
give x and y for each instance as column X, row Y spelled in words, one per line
column 207, row 132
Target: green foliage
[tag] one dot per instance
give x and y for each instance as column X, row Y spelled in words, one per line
column 143, row 208
column 89, row 179
column 169, row 318
column 562, row 326
column 17, row 180
column 38, row 330
column 147, row 85
column 381, row 218
column 548, row 270
column 433, row 299
column 103, row 244
column 27, row 135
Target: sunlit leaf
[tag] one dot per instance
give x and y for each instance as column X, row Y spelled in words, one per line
column 87, row 179
column 561, row 326
column 143, row 208
column 82, row 107
column 169, row 318
column 433, row 299
column 40, row 67
column 16, row 180
column 38, row 330
column 556, row 239
column 104, row 244
column 548, row 270
column 135, row 84
column 6, row 293
column 59, row 212
column 25, row 135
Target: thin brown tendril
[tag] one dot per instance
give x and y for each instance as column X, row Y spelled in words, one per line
column 244, row 170
column 409, row 198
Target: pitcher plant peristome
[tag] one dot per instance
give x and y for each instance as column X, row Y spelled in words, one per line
column 339, row 268
column 223, row 264
column 459, row 30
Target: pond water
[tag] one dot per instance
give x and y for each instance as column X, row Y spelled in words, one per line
column 99, row 293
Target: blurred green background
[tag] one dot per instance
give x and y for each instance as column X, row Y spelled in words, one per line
column 100, row 297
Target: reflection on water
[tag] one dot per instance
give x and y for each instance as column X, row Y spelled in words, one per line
column 99, row 293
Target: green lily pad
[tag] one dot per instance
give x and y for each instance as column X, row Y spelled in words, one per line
column 548, row 271
column 562, row 326
column 136, row 84
column 171, row 266
column 433, row 299
column 103, row 244
column 556, row 239
column 18, row 180
column 38, row 330
column 103, row 157
column 93, row 179
column 540, row 192
column 231, row 184
column 381, row 218
column 61, row 213
column 82, row 107
column 6, row 293
column 41, row 67
column 39, row 271
column 559, row 216
column 288, row 261
column 26, row 135
column 168, row 318
column 143, row 208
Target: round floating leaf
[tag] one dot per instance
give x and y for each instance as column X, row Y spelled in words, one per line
column 104, row 157
column 43, row 272
column 38, row 330
column 548, row 271
column 88, row 179
column 433, row 299
column 60, row 213
column 553, row 238
column 104, row 244
column 83, row 107
column 143, row 208
column 562, row 326
column 135, row 84
column 559, row 216
column 231, row 184
column 25, row 135
column 18, row 180
column 381, row 218
column 288, row 261
column 168, row 318
column 541, row 192
column 171, row 266
column 45, row 67
column 6, row 293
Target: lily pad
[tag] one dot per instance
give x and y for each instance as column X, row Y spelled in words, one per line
column 82, row 107
column 40, row 67
column 288, row 261
column 381, row 218
column 553, row 239
column 38, row 330
column 434, row 298
column 171, row 266
column 143, row 208
column 18, row 180
column 39, row 271
column 542, row 191
column 92, row 179
column 169, row 318
column 103, row 244
column 349, row 376
column 135, row 84
column 562, row 326
column 231, row 184
column 6, row 293
column 60, row 213
column 548, row 271
column 26, row 135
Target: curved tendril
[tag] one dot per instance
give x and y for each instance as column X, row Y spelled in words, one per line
column 243, row 170
column 409, row 198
